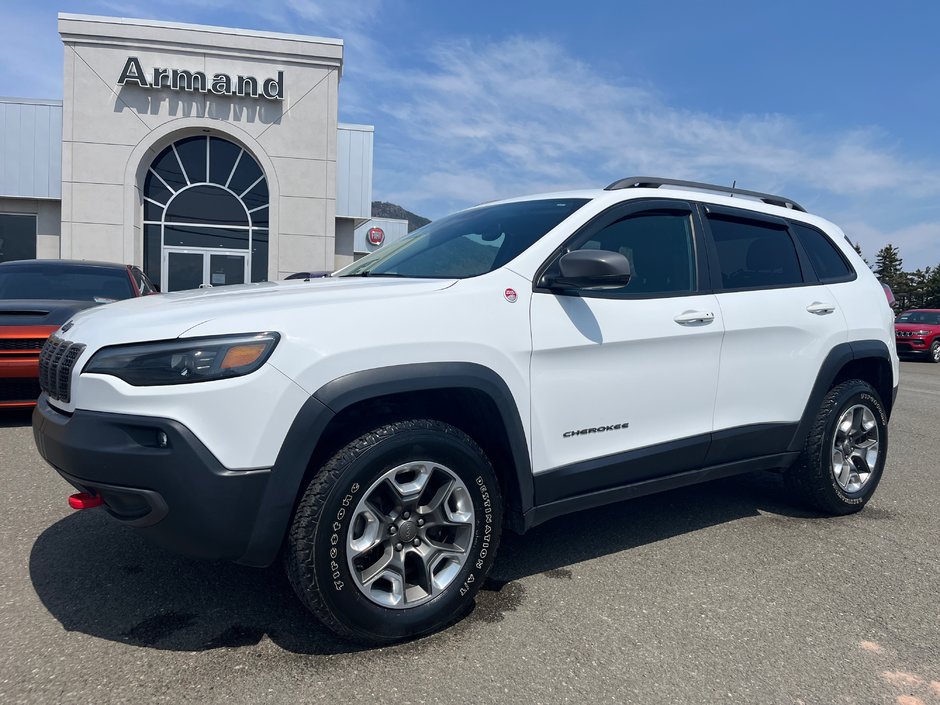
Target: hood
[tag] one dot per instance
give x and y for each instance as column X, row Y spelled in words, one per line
column 32, row 312
column 252, row 307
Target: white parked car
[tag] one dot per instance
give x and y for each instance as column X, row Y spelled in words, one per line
column 502, row 366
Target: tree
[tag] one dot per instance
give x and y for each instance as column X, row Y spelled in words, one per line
column 918, row 287
column 889, row 268
column 932, row 289
column 858, row 248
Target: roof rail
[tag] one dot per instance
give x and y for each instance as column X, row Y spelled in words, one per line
column 656, row 182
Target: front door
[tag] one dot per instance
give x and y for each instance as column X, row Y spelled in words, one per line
column 624, row 381
column 193, row 268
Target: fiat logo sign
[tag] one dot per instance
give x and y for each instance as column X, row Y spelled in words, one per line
column 376, row 236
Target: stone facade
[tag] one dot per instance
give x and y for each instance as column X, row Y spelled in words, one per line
column 111, row 133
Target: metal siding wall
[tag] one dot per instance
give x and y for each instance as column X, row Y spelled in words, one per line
column 342, row 172
column 55, row 152
column 354, row 185
column 367, row 147
column 353, row 172
column 30, row 149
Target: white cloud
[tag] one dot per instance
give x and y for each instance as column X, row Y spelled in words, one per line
column 542, row 111
column 490, row 119
column 468, row 120
column 919, row 244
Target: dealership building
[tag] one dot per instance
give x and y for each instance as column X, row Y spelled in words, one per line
column 206, row 155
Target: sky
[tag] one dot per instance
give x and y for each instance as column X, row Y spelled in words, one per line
column 833, row 104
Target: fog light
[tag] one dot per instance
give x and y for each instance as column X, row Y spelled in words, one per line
column 162, row 440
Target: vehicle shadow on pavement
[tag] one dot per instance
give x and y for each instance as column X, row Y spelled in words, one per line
column 102, row 579
column 626, row 525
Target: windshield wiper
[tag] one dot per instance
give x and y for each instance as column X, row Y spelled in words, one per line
column 370, row 273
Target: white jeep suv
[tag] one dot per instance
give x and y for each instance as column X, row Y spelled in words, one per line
column 502, row 366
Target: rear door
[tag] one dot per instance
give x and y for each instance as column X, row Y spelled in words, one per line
column 780, row 324
column 623, row 381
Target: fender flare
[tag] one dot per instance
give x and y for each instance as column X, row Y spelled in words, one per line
column 318, row 411
column 841, row 355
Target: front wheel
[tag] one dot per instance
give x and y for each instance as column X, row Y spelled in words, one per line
column 844, row 454
column 935, row 351
column 396, row 533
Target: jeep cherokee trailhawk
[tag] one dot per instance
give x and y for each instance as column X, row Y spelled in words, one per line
column 502, row 366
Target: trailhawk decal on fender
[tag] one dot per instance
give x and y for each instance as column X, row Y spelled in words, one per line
column 598, row 429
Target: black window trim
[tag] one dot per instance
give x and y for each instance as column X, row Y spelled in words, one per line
column 609, row 216
column 853, row 273
column 762, row 219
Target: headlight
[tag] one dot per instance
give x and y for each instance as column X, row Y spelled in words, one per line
column 921, row 332
column 184, row 361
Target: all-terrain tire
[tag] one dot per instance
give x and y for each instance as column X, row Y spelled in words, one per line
column 321, row 555
column 812, row 478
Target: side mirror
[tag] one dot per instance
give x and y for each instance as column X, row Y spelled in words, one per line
column 590, row 269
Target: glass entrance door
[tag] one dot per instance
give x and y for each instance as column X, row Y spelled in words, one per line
column 182, row 270
column 192, row 268
column 227, row 269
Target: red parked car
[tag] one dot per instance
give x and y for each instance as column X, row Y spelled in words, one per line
column 917, row 332
column 36, row 298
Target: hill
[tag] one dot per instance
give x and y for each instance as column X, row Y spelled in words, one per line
column 382, row 209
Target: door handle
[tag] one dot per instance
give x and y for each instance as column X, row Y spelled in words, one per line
column 820, row 309
column 691, row 318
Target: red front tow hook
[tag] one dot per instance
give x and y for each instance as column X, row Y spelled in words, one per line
column 83, row 500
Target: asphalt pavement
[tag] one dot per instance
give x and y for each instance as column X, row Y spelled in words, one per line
column 726, row 592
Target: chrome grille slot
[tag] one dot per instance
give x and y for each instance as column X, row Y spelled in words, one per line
column 56, row 361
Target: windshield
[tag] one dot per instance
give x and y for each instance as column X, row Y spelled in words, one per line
column 468, row 243
column 66, row 283
column 930, row 318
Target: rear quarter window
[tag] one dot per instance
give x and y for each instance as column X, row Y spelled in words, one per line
column 828, row 262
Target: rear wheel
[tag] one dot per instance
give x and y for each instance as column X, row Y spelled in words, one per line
column 395, row 534
column 844, row 454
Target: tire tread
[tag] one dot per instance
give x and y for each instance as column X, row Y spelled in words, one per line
column 808, row 479
column 302, row 533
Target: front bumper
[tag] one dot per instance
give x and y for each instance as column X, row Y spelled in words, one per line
column 912, row 346
column 19, row 383
column 180, row 496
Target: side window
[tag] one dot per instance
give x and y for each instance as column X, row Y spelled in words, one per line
column 752, row 254
column 659, row 248
column 828, row 262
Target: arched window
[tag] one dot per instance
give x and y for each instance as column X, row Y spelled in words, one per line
column 204, row 194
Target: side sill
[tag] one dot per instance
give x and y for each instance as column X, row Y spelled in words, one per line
column 542, row 513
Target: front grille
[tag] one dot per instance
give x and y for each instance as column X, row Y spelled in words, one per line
column 21, row 343
column 55, row 367
column 904, row 333
column 12, row 390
